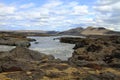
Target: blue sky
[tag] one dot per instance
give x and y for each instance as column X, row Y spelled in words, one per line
column 58, row 14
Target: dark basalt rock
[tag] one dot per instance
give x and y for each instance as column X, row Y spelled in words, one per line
column 80, row 44
column 70, row 40
column 94, row 48
column 31, row 40
column 11, row 69
column 36, row 42
column 96, row 52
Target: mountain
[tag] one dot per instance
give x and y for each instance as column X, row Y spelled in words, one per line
column 98, row 31
column 89, row 31
column 75, row 31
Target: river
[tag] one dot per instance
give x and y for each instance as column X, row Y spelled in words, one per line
column 48, row 45
column 53, row 47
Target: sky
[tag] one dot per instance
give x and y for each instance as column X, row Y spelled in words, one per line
column 59, row 15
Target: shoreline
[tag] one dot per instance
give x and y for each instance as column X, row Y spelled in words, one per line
column 96, row 58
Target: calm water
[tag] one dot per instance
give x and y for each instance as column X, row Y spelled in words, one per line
column 49, row 46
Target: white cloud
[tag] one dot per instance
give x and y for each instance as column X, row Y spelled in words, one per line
column 105, row 8
column 53, row 14
column 80, row 10
column 60, row 15
column 108, row 14
column 4, row 10
column 107, row 2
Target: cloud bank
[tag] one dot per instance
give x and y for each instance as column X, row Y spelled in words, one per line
column 60, row 15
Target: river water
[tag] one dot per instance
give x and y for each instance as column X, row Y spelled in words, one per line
column 48, row 46
column 53, row 47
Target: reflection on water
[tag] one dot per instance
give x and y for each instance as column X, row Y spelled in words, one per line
column 49, row 46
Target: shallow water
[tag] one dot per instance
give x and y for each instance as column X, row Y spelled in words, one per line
column 49, row 46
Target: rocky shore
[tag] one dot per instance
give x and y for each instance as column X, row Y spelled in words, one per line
column 24, row 64
column 102, row 51
column 15, row 40
column 97, row 52
column 92, row 59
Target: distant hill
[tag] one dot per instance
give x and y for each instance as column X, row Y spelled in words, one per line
column 24, row 32
column 30, row 32
column 75, row 31
column 89, row 31
column 98, row 31
column 52, row 32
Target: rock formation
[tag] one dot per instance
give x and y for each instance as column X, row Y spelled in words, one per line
column 92, row 52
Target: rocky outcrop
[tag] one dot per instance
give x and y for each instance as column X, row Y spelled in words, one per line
column 96, row 52
column 16, row 41
column 92, row 59
column 22, row 58
column 71, row 40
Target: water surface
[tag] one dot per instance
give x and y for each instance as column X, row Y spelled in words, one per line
column 49, row 46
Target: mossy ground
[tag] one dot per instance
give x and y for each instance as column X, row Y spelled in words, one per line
column 70, row 73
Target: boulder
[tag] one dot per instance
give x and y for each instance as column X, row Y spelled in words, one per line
column 80, row 44
column 22, row 59
column 94, row 48
column 24, row 53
